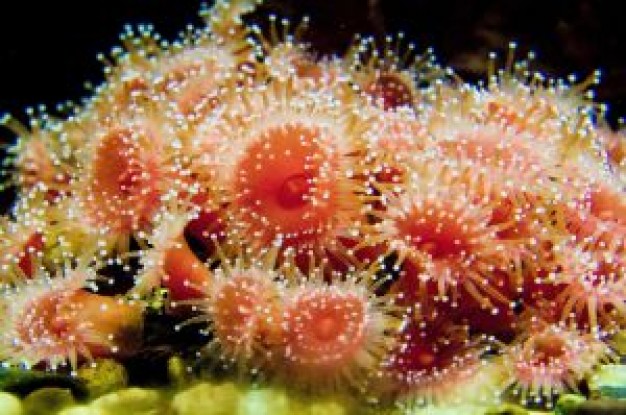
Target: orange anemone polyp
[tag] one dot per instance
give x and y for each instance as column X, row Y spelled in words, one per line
column 451, row 243
column 324, row 331
column 553, row 360
column 124, row 189
column 246, row 315
column 286, row 185
column 63, row 326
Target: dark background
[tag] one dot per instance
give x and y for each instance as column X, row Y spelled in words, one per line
column 48, row 49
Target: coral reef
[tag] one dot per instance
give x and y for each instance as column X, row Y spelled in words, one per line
column 311, row 233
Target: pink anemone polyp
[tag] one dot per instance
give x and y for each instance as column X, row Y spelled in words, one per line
column 53, row 322
column 552, row 360
column 335, row 335
column 245, row 313
column 325, row 330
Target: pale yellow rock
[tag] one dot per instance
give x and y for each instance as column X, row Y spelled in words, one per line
column 326, row 408
column 10, row 405
column 132, row 401
column 450, row 410
column 264, row 401
column 207, row 399
column 82, row 410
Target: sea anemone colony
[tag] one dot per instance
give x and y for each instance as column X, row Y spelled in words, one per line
column 365, row 225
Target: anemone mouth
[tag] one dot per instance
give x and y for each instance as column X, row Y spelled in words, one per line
column 123, row 189
column 547, row 350
column 287, row 185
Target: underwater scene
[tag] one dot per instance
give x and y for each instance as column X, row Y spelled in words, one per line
column 248, row 218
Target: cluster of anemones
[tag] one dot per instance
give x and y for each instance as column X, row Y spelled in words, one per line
column 365, row 222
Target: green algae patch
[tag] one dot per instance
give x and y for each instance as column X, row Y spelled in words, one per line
column 48, row 401
column 103, row 376
column 22, row 382
column 207, row 399
column 609, row 381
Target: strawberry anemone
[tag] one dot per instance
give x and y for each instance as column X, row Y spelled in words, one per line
column 598, row 215
column 298, row 195
column 39, row 158
column 194, row 75
column 198, row 71
column 128, row 71
column 591, row 288
column 285, row 171
column 129, row 172
column 551, row 359
column 284, row 55
column 52, row 321
column 446, row 244
column 336, row 335
column 430, row 362
column 390, row 78
column 393, row 140
column 243, row 308
column 554, row 111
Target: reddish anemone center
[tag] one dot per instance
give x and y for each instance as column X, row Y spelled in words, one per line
column 129, row 178
column 439, row 235
column 392, row 90
column 293, row 192
column 421, row 353
column 236, row 304
column 116, row 163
